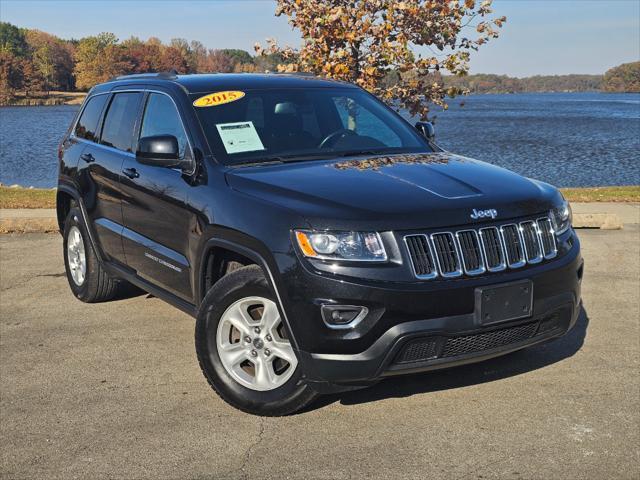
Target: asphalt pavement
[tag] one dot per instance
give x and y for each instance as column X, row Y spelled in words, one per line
column 114, row 390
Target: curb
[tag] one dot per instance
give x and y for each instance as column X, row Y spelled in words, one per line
column 28, row 225
column 49, row 224
column 604, row 221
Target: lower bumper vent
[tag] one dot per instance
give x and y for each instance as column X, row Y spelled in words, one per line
column 430, row 348
column 487, row 341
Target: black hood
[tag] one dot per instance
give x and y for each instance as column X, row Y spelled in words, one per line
column 400, row 192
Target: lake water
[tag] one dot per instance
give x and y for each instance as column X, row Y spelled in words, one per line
column 573, row 139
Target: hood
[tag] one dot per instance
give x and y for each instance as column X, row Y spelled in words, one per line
column 399, row 192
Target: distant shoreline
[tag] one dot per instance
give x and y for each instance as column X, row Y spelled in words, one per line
column 15, row 196
column 76, row 98
column 51, row 100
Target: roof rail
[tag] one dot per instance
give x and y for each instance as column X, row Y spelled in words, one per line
column 297, row 74
column 171, row 75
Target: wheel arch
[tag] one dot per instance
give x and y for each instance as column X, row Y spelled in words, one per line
column 237, row 251
column 65, row 196
column 64, row 200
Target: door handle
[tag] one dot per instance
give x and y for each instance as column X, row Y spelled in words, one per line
column 87, row 157
column 131, row 173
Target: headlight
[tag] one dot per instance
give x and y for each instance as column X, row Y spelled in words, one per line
column 561, row 217
column 354, row 246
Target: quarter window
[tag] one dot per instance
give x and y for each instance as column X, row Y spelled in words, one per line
column 120, row 121
column 88, row 123
column 162, row 118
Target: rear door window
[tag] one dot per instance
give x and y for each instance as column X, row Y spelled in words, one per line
column 88, row 123
column 120, row 121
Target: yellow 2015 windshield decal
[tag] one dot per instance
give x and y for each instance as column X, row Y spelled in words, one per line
column 218, row 98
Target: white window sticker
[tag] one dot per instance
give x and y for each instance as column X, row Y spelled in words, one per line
column 239, row 137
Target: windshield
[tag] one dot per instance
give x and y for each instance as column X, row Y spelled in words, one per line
column 256, row 126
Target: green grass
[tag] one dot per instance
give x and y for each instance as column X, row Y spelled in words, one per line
column 603, row 194
column 18, row 197
column 39, row 198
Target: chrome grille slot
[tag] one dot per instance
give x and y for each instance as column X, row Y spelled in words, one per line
column 471, row 254
column 547, row 238
column 424, row 265
column 513, row 246
column 446, row 254
column 492, row 248
column 531, row 240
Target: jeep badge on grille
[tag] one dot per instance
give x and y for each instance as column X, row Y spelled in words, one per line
column 476, row 214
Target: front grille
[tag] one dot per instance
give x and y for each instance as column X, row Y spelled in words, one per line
column 532, row 247
column 470, row 250
column 444, row 246
column 492, row 247
column 473, row 252
column 421, row 255
column 547, row 238
column 430, row 348
column 513, row 246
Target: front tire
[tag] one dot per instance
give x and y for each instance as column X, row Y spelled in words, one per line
column 243, row 347
column 89, row 282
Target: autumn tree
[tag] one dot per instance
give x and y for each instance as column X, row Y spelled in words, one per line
column 623, row 78
column 11, row 75
column 219, row 62
column 13, row 50
column 173, row 58
column 362, row 41
column 99, row 58
column 143, row 57
column 52, row 60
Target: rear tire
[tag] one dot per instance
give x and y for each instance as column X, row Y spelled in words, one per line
column 243, row 349
column 89, row 282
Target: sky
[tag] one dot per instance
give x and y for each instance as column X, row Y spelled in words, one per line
column 545, row 37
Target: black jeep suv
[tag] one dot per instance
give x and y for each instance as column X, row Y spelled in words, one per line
column 321, row 241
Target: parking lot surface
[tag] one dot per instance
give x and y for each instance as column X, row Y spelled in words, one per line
column 114, row 390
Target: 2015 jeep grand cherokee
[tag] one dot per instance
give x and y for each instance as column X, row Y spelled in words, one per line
column 321, row 241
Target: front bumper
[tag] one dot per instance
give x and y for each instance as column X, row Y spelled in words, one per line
column 444, row 342
column 424, row 326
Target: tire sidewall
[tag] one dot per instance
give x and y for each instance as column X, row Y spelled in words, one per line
column 74, row 219
column 246, row 282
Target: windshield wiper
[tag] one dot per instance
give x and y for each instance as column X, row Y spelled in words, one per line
column 275, row 159
column 357, row 153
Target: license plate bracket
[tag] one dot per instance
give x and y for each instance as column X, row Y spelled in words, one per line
column 501, row 303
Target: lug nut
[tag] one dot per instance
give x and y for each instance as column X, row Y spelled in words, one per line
column 268, row 338
column 256, row 330
column 247, row 339
column 254, row 353
column 267, row 352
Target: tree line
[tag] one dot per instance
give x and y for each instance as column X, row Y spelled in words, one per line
column 33, row 62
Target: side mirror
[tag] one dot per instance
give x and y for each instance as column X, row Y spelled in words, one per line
column 159, row 150
column 427, row 130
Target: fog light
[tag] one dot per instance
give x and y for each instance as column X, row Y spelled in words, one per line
column 343, row 316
